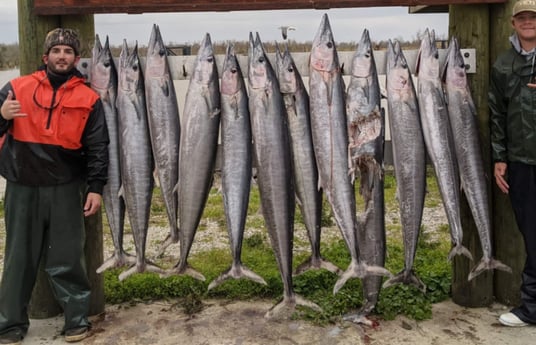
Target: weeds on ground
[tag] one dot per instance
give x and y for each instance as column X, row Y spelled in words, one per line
column 431, row 266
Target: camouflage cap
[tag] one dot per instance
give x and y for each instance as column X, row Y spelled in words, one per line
column 61, row 36
column 524, row 6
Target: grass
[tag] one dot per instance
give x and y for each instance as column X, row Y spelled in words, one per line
column 431, row 265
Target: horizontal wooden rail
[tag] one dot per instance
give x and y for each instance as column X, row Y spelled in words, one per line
column 62, row 7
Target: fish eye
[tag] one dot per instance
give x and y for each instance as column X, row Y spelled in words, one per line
column 233, row 70
column 261, row 59
column 290, row 69
column 210, row 59
column 135, row 67
column 330, row 45
column 162, row 52
column 106, row 64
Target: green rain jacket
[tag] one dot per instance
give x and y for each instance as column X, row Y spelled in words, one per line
column 513, row 107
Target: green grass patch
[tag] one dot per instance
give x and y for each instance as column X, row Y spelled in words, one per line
column 430, row 265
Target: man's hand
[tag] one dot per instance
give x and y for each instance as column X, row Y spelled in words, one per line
column 11, row 108
column 500, row 173
column 93, row 203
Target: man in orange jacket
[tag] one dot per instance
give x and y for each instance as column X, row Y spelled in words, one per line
column 55, row 161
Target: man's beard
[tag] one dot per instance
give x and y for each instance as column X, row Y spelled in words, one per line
column 51, row 67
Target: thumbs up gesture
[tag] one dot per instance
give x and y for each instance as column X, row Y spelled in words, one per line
column 11, row 107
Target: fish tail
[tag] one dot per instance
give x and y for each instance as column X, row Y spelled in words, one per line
column 170, row 239
column 359, row 270
column 459, row 249
column 117, row 260
column 488, row 264
column 316, row 263
column 183, row 269
column 407, row 277
column 237, row 271
column 361, row 319
column 285, row 308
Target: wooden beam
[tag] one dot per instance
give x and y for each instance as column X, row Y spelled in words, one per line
column 63, row 7
column 181, row 67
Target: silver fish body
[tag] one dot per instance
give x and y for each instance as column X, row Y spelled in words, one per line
column 104, row 82
column 236, row 168
column 136, row 159
column 463, row 121
column 305, row 171
column 409, row 155
column 330, row 141
column 164, row 125
column 272, row 157
column 438, row 137
column 197, row 151
column 366, row 133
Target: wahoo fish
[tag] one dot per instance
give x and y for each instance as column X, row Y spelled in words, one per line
column 197, row 150
column 164, row 126
column 409, row 155
column 305, row 171
column 366, row 133
column 330, row 142
column 136, row 159
column 274, row 173
column 236, row 163
column 104, row 82
column 463, row 121
column 438, row 137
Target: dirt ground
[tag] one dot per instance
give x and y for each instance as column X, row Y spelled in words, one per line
column 243, row 323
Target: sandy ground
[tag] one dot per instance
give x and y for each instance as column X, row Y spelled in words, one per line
column 242, row 323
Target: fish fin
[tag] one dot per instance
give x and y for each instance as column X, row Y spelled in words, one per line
column 488, row 264
column 165, row 88
column 183, row 270
column 460, row 250
column 115, row 261
column 359, row 270
column 407, row 277
column 125, row 274
column 166, row 243
column 284, row 309
column 237, row 271
column 316, row 263
column 361, row 318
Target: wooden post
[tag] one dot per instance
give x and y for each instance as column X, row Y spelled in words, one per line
column 470, row 25
column 32, row 32
column 509, row 246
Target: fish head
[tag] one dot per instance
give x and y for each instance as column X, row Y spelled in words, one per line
column 156, row 63
column 130, row 76
column 205, row 64
column 397, row 71
column 363, row 61
column 231, row 76
column 323, row 52
column 103, row 71
column 454, row 70
column 97, row 47
column 428, row 57
column 287, row 73
column 259, row 65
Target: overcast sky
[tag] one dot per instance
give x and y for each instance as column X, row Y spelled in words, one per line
column 347, row 24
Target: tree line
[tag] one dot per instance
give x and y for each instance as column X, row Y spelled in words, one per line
column 9, row 53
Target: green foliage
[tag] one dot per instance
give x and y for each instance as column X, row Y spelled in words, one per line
column 430, row 265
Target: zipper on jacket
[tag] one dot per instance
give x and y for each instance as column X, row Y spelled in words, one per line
column 51, row 109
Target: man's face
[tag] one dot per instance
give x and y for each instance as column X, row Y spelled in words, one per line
column 61, row 59
column 524, row 24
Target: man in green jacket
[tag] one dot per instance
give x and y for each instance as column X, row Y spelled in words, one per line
column 512, row 101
